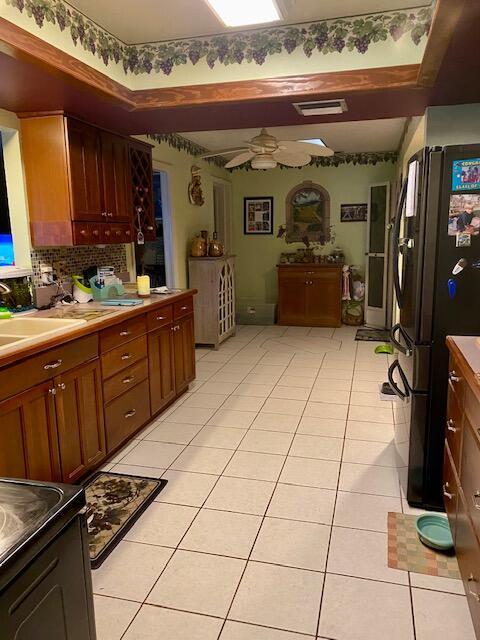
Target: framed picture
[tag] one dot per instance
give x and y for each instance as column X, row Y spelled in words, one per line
column 353, row 212
column 464, row 216
column 308, row 213
column 258, row 214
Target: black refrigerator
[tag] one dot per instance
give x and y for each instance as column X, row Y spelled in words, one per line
column 436, row 273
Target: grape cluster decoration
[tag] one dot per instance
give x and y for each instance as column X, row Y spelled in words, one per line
column 326, row 37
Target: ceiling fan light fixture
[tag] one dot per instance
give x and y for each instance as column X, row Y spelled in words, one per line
column 245, row 12
column 263, row 161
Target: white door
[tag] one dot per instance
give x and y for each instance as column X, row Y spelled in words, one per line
column 377, row 254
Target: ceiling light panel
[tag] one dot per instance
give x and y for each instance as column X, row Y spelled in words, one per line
column 239, row 13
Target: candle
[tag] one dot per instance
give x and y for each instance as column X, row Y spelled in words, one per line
column 143, row 286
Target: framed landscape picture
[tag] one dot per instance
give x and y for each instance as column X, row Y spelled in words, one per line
column 353, row 212
column 258, row 214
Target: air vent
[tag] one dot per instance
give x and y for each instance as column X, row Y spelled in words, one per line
column 321, row 107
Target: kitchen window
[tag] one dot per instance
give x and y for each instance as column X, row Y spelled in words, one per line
column 6, row 239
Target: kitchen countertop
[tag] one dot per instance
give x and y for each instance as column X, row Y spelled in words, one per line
column 115, row 315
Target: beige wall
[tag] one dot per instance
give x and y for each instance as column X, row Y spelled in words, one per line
column 257, row 256
column 457, row 124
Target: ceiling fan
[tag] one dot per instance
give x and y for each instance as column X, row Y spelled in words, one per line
column 265, row 152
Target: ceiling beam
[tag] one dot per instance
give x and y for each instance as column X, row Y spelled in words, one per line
column 446, row 16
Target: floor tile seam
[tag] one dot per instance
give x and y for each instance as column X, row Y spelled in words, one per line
column 260, row 527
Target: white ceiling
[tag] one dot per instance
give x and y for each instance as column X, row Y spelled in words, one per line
column 351, row 137
column 151, row 20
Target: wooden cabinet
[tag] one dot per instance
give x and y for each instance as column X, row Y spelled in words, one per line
column 126, row 414
column 461, row 475
column 79, row 409
column 215, row 302
column 184, row 352
column 310, row 295
column 28, row 437
column 161, row 364
column 80, row 182
column 85, row 159
column 141, row 175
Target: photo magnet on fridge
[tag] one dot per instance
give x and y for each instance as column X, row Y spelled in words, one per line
column 466, row 174
column 464, row 215
column 463, row 240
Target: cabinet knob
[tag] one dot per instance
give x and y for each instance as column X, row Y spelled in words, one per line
column 183, row 308
column 126, row 356
column 451, row 425
column 110, row 214
column 452, row 376
column 107, row 232
column 61, row 385
column 104, row 214
column 127, row 233
column 160, row 318
column 95, row 232
column 53, row 365
column 125, row 333
column 128, row 379
column 475, row 500
column 446, row 493
column 150, row 228
column 83, row 232
column 52, row 392
column 130, row 413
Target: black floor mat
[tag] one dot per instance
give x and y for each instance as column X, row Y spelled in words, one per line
column 373, row 335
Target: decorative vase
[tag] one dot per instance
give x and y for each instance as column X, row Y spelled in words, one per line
column 215, row 247
column 198, row 247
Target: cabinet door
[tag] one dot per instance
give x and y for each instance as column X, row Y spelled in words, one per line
column 81, row 432
column 85, row 172
column 28, row 437
column 142, row 196
column 115, row 167
column 161, row 365
column 184, row 350
column 292, row 299
column 324, row 300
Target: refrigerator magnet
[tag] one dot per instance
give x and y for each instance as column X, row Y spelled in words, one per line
column 463, row 240
column 452, row 288
column 466, row 174
column 464, row 214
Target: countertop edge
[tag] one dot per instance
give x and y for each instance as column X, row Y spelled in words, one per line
column 90, row 327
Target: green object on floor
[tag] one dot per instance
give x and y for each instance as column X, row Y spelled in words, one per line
column 384, row 348
column 434, row 531
column 5, row 314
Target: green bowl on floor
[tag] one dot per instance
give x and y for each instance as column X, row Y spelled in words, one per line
column 434, row 531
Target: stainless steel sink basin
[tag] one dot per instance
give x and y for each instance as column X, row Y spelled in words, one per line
column 4, row 340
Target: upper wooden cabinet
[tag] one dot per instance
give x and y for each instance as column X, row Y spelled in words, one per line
column 80, row 182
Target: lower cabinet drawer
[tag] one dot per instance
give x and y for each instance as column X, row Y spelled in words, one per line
column 450, row 490
column 470, row 473
column 183, row 308
column 468, row 555
column 126, row 414
column 125, row 380
column 123, row 356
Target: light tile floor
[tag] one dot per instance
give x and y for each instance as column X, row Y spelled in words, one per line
column 281, row 471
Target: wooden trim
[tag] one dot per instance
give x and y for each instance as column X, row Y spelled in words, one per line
column 340, row 82
column 446, row 16
column 22, row 45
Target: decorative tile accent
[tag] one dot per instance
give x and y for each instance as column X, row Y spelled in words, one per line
column 73, row 260
column 327, row 37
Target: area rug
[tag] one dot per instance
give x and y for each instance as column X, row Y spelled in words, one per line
column 406, row 552
column 372, row 335
column 114, row 502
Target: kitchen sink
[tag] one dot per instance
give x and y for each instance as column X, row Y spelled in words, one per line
column 16, row 332
column 34, row 326
column 5, row 340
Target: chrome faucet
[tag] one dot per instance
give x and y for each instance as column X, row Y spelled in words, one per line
column 4, row 288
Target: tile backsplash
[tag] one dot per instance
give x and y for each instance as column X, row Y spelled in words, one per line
column 74, row 260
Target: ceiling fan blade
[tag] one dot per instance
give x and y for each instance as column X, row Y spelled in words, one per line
column 292, row 159
column 240, row 159
column 305, row 147
column 222, row 152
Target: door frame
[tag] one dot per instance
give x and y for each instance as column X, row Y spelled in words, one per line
column 226, row 202
column 375, row 316
column 170, row 276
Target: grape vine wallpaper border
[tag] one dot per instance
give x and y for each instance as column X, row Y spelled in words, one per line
column 325, row 37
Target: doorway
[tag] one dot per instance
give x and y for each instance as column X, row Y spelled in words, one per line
column 154, row 258
column 377, row 255
column 222, row 207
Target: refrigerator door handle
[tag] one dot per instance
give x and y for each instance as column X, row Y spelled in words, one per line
column 396, row 245
column 402, row 395
column 407, row 351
